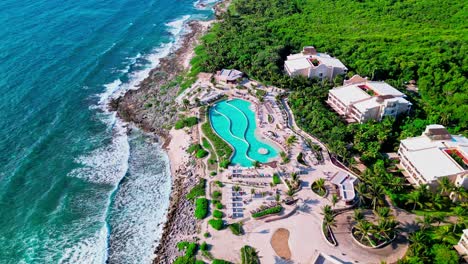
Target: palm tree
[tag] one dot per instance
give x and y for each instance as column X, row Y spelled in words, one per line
column 445, row 234
column 459, row 194
column 425, row 222
column 334, row 199
column 290, row 192
column 418, row 242
column 415, row 198
column 437, row 201
column 291, row 140
column 460, row 213
column 364, row 229
column 358, row 216
column 186, row 103
column 361, row 189
column 382, row 212
column 445, row 186
column 327, row 210
column 252, row 192
column 256, row 164
column 329, row 221
column 320, row 184
column 376, row 194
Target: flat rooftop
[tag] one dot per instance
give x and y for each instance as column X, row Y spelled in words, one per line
column 298, row 63
column 349, row 94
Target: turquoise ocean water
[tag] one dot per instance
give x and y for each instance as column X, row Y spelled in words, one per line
column 74, row 188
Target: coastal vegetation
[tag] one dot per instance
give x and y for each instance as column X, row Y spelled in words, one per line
column 236, row 228
column 191, row 249
column 197, row 150
column 267, row 211
column 276, row 179
column 388, row 40
column 216, row 224
column 201, row 208
column 223, row 150
column 318, row 187
column 197, row 190
column 186, row 122
column 249, row 255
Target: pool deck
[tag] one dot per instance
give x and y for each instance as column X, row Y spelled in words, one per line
column 302, row 220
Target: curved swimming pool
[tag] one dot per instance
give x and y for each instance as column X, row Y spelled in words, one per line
column 234, row 121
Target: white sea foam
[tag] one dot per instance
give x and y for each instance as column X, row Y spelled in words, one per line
column 176, row 27
column 90, row 250
column 146, row 205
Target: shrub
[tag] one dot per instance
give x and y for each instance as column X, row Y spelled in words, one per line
column 194, row 148
column 204, row 246
column 199, row 262
column 300, row 158
column 207, row 234
column 272, row 210
column 217, row 224
column 220, row 261
column 236, row 229
column 224, row 164
column 218, row 214
column 216, row 195
column 276, row 179
column 219, row 206
column 220, row 184
column 184, row 260
column 197, row 190
column 201, row 153
column 186, row 122
column 201, row 208
column 213, row 173
column 249, row 255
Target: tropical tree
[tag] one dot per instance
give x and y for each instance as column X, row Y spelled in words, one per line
column 252, row 192
column 459, row 194
column 361, row 189
column 320, row 184
column 382, row 212
column 425, row 222
column 386, row 228
column 364, row 229
column 445, row 234
column 186, row 103
column 460, row 214
column 291, row 140
column 334, row 199
column 358, row 215
column 445, row 186
column 376, row 194
column 417, row 242
column 415, row 198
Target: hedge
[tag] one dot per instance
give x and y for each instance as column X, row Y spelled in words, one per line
column 201, row 153
column 201, row 208
column 220, row 261
column 272, row 210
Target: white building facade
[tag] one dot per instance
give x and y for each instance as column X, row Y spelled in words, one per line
column 311, row 64
column 360, row 100
column 433, row 155
column 462, row 246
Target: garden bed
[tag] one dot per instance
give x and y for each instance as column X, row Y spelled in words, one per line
column 327, row 233
column 378, row 242
column 268, row 212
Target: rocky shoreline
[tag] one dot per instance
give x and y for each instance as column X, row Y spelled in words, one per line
column 152, row 108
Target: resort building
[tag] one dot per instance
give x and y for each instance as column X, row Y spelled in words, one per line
column 344, row 183
column 433, row 155
column 360, row 100
column 311, row 64
column 462, row 246
column 229, row 76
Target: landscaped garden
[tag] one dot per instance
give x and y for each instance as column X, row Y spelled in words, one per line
column 223, row 150
column 377, row 233
column 267, row 210
column 318, row 187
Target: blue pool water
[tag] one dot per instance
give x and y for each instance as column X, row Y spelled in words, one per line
column 234, row 121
